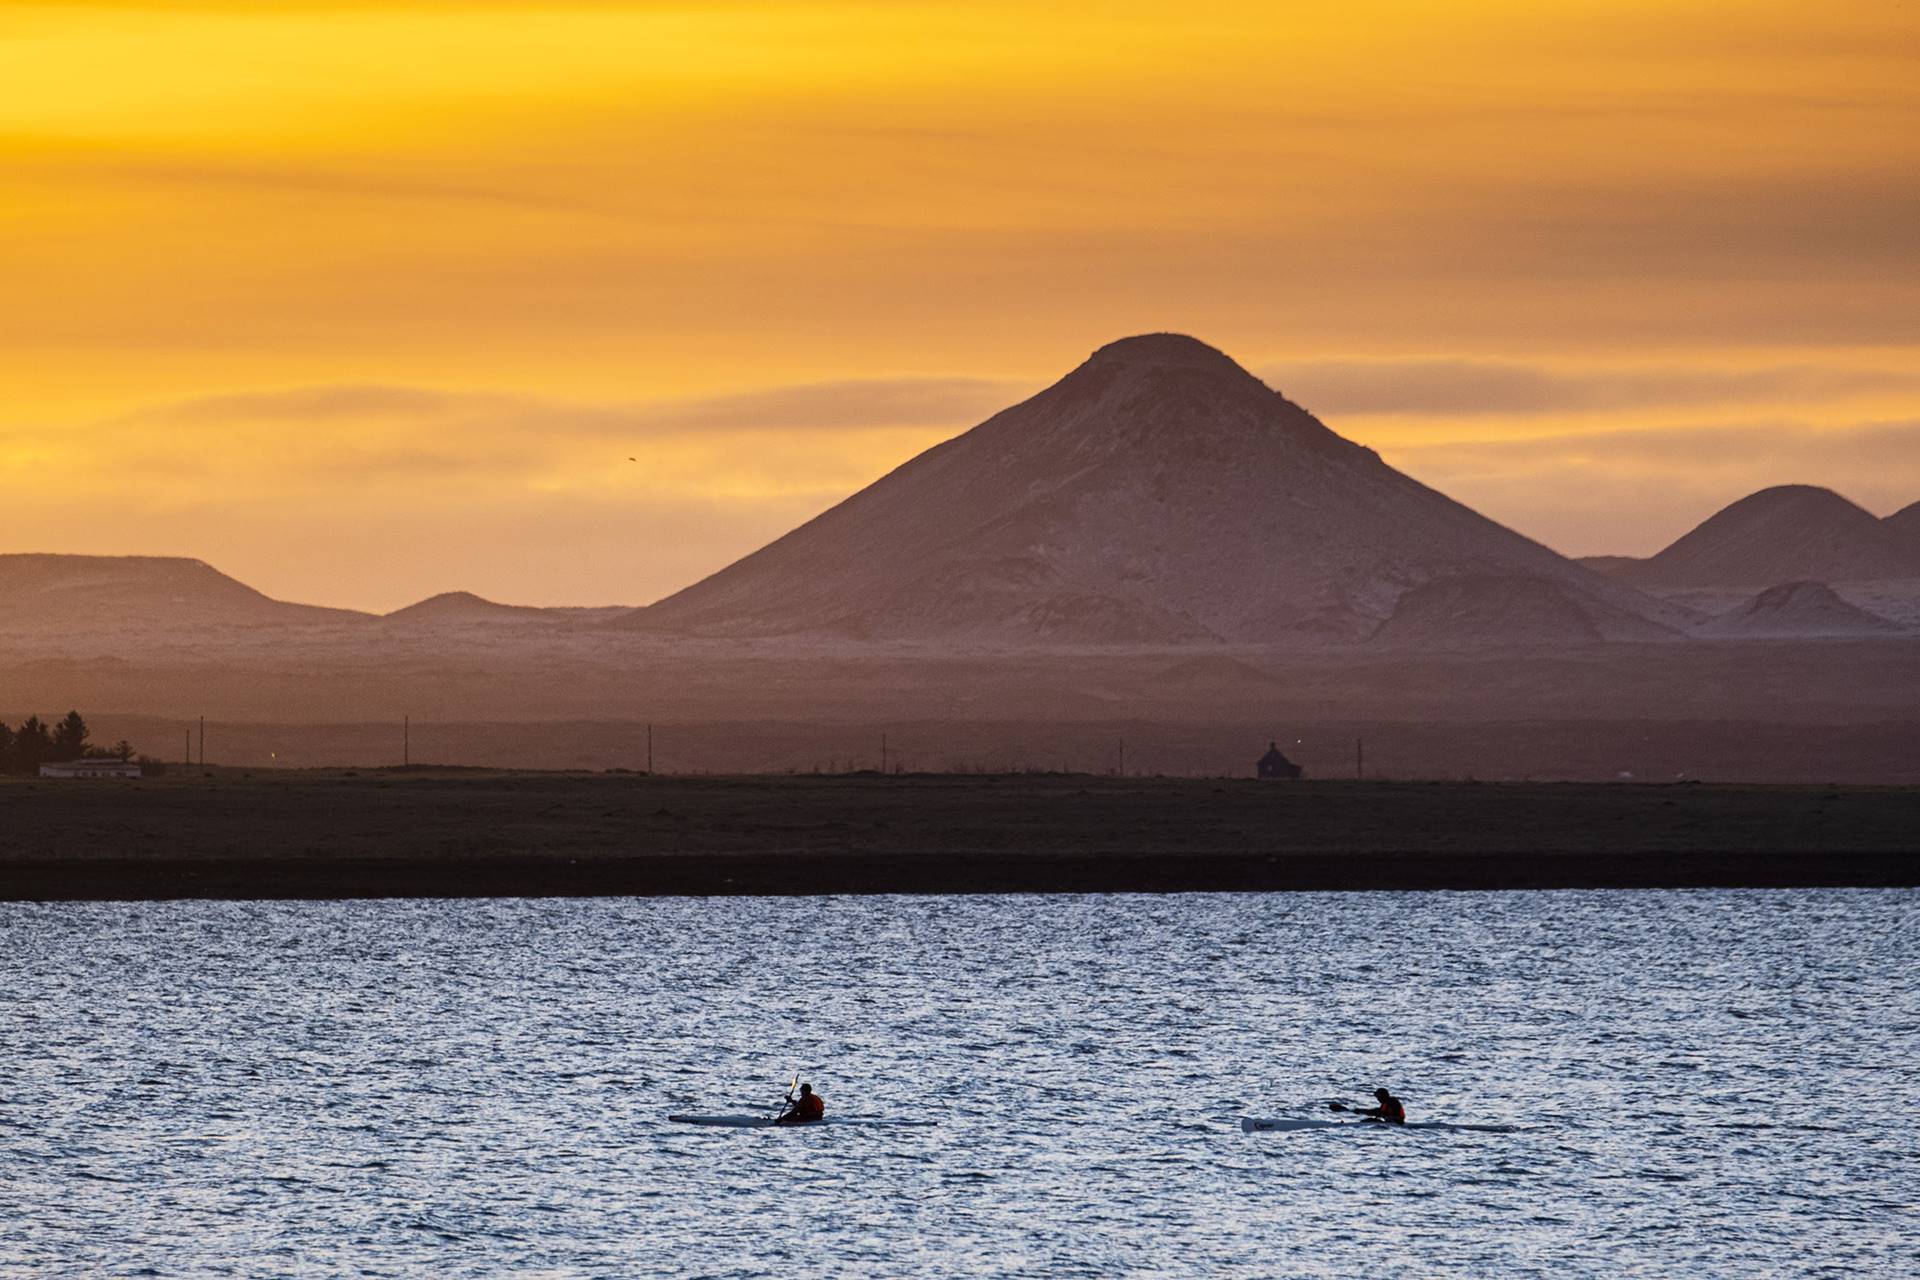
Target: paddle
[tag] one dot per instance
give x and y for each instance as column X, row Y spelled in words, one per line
column 789, row 1098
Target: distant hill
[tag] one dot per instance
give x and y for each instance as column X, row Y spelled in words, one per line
column 462, row 606
column 1158, row 494
column 1795, row 610
column 1791, row 533
column 1483, row 611
column 53, row 593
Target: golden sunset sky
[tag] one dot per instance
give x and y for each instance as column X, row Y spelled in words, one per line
column 363, row 302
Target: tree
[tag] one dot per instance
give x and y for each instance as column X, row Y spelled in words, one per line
column 70, row 738
column 123, row 751
column 32, row 746
column 6, row 749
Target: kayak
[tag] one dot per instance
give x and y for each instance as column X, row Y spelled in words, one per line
column 1285, row 1126
column 767, row 1122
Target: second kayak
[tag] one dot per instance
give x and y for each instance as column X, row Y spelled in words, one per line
column 1251, row 1125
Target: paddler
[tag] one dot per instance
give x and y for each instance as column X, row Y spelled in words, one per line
column 1390, row 1110
column 806, row 1108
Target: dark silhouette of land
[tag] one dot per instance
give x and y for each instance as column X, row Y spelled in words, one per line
column 1158, row 737
column 467, row 833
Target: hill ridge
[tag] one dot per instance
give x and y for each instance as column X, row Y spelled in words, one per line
column 1799, row 609
column 45, row 591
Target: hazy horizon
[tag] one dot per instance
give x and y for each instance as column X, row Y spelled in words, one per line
column 1383, row 388
column 361, row 305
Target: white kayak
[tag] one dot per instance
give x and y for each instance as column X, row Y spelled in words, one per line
column 1285, row 1126
column 767, row 1122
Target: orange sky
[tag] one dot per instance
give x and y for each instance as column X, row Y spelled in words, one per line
column 363, row 302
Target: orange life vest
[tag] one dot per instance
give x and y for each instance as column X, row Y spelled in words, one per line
column 1392, row 1112
column 809, row 1107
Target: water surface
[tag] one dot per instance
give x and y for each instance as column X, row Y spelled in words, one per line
column 1710, row 1083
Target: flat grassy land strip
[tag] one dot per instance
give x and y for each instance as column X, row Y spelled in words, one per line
column 427, row 832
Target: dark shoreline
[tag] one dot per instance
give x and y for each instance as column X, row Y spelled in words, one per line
column 441, row 833
column 248, row 879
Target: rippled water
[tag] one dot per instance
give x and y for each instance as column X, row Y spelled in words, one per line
column 1712, row 1083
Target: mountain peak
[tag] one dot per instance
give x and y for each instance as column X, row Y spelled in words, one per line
column 1782, row 496
column 1163, row 350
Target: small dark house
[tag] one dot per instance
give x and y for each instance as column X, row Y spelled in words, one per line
column 1275, row 765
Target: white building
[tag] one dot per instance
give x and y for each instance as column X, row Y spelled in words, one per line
column 103, row 767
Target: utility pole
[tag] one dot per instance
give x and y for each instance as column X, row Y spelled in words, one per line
column 649, row 748
column 1359, row 760
column 203, row 742
column 186, row 750
column 1123, row 758
column 406, row 741
column 883, row 753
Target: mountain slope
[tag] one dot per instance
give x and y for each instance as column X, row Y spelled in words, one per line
column 1786, row 534
column 1483, row 611
column 51, row 593
column 1157, row 494
column 1904, row 525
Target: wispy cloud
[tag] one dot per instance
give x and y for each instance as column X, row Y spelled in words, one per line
column 373, row 455
column 339, row 402
column 843, row 406
column 1464, row 388
column 1893, row 446
column 879, row 402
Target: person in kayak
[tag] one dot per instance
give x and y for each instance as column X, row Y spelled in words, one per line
column 1390, row 1110
column 806, row 1108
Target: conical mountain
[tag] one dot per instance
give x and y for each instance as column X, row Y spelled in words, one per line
column 1790, row 533
column 1157, row 494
